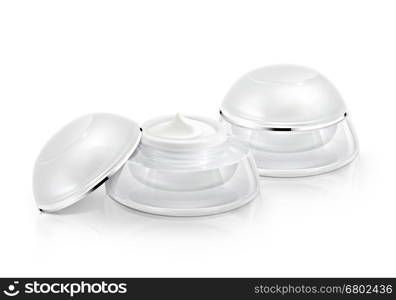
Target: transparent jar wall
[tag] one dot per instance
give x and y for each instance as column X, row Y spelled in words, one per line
column 188, row 184
column 299, row 153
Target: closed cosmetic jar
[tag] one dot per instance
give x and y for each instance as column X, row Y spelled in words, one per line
column 292, row 118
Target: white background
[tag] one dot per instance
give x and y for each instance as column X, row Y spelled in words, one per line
column 62, row 59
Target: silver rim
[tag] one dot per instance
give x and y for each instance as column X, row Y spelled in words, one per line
column 250, row 125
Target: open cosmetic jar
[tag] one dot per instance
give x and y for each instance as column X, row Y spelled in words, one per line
column 173, row 165
column 186, row 166
column 293, row 119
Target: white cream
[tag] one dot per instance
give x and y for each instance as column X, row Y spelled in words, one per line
column 182, row 133
column 180, row 128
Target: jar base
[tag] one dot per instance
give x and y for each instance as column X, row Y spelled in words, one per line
column 299, row 154
column 151, row 193
column 176, row 211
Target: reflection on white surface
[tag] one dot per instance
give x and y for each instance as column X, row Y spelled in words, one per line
column 329, row 185
column 98, row 216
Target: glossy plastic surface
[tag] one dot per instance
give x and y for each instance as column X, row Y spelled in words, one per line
column 300, row 153
column 293, row 119
column 283, row 96
column 80, row 157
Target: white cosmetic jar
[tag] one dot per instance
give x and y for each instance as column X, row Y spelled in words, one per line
column 186, row 166
column 293, row 119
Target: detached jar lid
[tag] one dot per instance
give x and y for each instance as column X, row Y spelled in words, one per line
column 294, row 120
column 82, row 156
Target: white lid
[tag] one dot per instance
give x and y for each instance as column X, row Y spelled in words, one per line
column 283, row 96
column 80, row 157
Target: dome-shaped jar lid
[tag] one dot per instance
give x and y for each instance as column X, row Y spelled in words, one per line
column 283, row 96
column 82, row 156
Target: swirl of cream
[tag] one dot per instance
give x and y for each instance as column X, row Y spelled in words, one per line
column 179, row 127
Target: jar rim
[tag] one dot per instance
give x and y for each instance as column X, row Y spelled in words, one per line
column 250, row 124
